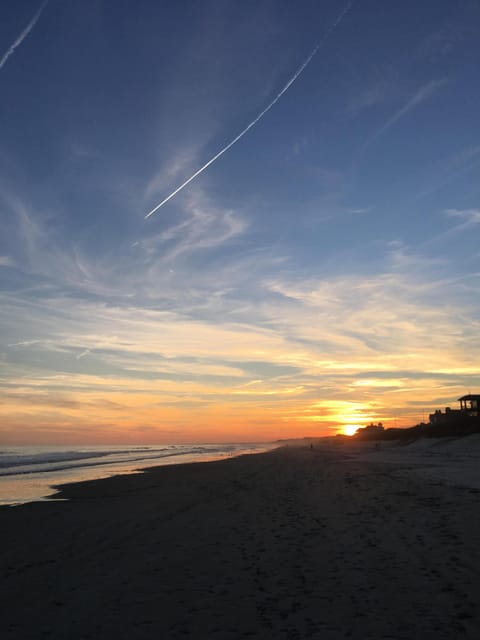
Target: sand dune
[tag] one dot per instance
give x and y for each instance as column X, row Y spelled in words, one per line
column 453, row 461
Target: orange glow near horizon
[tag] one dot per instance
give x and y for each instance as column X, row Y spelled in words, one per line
column 108, row 410
column 350, row 429
column 188, row 413
column 245, row 397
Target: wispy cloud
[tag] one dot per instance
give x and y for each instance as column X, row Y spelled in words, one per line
column 204, row 226
column 24, row 343
column 22, row 35
column 6, row 261
column 181, row 161
column 368, row 97
column 41, row 252
column 465, row 220
column 368, row 346
column 35, row 243
column 469, row 216
column 447, row 170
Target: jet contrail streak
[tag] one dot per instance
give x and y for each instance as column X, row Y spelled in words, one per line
column 23, row 35
column 260, row 115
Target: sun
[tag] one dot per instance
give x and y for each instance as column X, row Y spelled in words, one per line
column 350, row 429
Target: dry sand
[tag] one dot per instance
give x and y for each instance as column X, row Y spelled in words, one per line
column 339, row 542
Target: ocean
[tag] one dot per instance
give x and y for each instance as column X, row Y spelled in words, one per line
column 29, row 474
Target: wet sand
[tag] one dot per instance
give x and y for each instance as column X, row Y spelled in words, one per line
column 296, row 543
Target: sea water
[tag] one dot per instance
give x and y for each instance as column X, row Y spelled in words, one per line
column 30, row 473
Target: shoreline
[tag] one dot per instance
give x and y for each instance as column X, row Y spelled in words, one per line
column 31, row 474
column 419, row 455
column 291, row 543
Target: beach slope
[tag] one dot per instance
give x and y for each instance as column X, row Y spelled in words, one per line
column 293, row 543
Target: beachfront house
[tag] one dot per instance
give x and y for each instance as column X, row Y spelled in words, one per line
column 469, row 410
column 470, row 404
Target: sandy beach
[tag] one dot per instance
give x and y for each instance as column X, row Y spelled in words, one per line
column 335, row 542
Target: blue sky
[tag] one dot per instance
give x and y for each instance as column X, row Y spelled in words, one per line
column 323, row 271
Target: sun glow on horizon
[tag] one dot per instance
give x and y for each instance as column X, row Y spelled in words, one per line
column 350, row 429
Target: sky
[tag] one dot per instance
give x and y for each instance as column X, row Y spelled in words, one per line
column 322, row 272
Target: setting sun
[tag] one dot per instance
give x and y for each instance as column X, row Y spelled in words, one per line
column 350, row 429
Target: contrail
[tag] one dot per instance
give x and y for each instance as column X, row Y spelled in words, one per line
column 261, row 114
column 23, row 35
column 422, row 94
